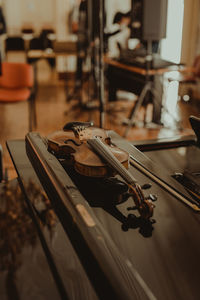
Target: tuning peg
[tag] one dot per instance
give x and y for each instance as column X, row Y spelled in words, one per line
column 152, row 197
column 131, row 208
column 146, row 186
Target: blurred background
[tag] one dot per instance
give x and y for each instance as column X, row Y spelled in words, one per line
column 61, row 40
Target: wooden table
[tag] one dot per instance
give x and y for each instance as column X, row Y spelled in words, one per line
column 139, row 70
column 133, row 79
column 158, row 261
column 50, row 267
column 33, row 56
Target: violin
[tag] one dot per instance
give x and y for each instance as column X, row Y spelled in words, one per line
column 91, row 151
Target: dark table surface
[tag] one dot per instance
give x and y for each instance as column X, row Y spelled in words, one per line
column 24, row 269
column 165, row 255
column 50, row 268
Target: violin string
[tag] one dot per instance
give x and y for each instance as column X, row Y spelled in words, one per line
column 106, row 154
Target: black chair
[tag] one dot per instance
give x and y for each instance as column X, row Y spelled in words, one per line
column 14, row 44
column 39, row 43
column 47, row 44
column 35, row 44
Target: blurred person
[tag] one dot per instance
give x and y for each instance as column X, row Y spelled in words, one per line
column 119, row 34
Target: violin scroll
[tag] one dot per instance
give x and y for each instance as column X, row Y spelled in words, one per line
column 144, row 206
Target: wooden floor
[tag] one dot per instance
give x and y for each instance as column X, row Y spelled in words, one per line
column 53, row 112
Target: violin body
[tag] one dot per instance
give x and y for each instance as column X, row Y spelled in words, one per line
column 67, row 145
column 93, row 155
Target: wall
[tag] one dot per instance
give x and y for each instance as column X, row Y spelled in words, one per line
column 36, row 13
column 61, row 16
column 190, row 31
column 41, row 13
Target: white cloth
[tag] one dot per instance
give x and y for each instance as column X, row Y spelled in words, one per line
column 117, row 42
column 114, row 6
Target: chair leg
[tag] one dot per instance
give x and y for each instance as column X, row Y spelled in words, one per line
column 32, row 113
column 35, row 117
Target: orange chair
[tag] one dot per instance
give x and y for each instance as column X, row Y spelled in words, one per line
column 16, row 85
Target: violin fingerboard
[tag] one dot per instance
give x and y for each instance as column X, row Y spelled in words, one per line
column 108, row 156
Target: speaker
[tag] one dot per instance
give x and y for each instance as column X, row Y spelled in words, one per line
column 154, row 19
column 149, row 19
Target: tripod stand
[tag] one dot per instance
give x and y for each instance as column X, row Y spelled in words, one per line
column 84, row 52
column 148, row 88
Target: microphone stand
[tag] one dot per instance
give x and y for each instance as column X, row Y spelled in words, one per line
column 101, row 64
column 91, row 56
column 90, row 47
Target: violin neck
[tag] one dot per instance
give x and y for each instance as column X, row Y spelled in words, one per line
column 104, row 152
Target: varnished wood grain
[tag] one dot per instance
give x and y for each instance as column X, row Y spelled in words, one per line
column 69, row 275
column 138, row 70
column 24, row 271
column 165, row 254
